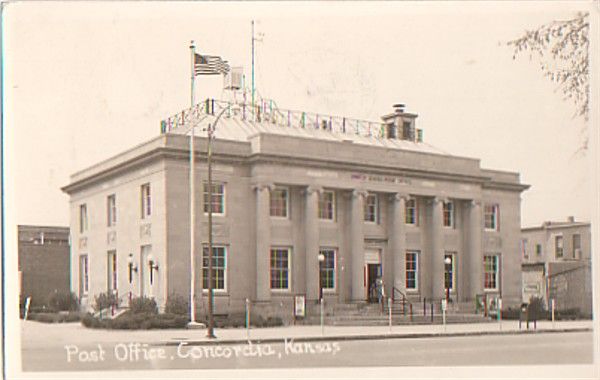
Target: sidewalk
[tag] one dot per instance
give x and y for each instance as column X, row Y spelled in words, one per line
column 39, row 334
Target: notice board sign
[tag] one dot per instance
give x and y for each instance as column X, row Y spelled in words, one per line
column 299, row 305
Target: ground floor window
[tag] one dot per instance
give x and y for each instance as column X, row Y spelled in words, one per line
column 280, row 268
column 84, row 280
column 490, row 271
column 112, row 271
column 219, row 266
column 327, row 268
column 412, row 270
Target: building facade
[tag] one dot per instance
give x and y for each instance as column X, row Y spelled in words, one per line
column 557, row 264
column 44, row 262
column 302, row 205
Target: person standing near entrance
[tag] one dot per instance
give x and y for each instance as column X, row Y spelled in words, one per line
column 380, row 291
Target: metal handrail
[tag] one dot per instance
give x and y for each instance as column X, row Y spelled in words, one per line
column 266, row 110
column 404, row 299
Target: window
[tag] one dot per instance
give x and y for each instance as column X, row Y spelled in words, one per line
column 84, row 280
column 412, row 270
column 280, row 268
column 407, row 131
column 524, row 249
column 327, row 269
column 146, row 201
column 111, row 211
column 491, row 217
column 558, row 246
column 490, row 272
column 83, row 218
column 371, row 208
column 327, row 205
column 448, row 214
column 279, row 202
column 219, row 266
column 112, row 271
column 576, row 246
column 538, row 249
column 218, row 198
column 450, row 271
column 391, row 129
column 411, row 211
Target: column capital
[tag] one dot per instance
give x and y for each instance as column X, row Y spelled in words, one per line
column 475, row 202
column 311, row 189
column 438, row 199
column 263, row 186
column 359, row 193
column 397, row 197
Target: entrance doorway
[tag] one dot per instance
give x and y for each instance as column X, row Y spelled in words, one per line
column 373, row 271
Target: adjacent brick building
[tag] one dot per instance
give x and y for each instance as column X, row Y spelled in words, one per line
column 557, row 264
column 44, row 262
column 368, row 199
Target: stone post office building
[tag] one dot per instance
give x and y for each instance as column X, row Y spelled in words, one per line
column 302, row 203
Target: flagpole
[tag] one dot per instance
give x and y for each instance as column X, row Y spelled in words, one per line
column 192, row 197
column 253, row 110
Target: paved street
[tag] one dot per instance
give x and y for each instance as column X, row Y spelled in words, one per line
column 174, row 350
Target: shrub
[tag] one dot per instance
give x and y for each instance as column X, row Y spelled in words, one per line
column 54, row 317
column 131, row 321
column 177, row 304
column 140, row 305
column 105, row 300
column 63, row 301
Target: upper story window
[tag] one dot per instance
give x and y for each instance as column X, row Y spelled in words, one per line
column 371, row 208
column 577, row 246
column 524, row 249
column 491, row 212
column 407, row 131
column 146, row 200
column 83, row 218
column 411, row 211
column 558, row 246
column 218, row 198
column 391, row 131
column 448, row 214
column 327, row 205
column 279, row 203
column 111, row 210
column 538, row 249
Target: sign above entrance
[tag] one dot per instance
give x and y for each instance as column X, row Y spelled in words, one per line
column 379, row 178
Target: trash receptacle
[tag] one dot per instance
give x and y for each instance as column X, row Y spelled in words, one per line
column 524, row 314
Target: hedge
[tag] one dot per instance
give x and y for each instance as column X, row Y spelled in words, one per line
column 54, row 317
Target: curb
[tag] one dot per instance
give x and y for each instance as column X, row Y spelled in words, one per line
column 367, row 337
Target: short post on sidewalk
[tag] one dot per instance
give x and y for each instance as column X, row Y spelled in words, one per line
column 444, row 306
column 499, row 311
column 322, row 318
column 247, row 319
column 553, row 306
column 390, row 312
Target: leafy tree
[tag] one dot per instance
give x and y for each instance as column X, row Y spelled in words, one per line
column 563, row 50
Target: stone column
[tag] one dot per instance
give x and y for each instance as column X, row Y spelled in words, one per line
column 263, row 243
column 357, row 245
column 437, row 249
column 311, row 230
column 475, row 249
column 397, row 238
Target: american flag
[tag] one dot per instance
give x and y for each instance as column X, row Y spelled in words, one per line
column 209, row 65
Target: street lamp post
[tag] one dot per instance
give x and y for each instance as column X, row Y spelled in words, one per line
column 321, row 260
column 448, row 262
column 210, row 135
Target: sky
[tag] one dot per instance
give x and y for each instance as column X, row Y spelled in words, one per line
column 85, row 81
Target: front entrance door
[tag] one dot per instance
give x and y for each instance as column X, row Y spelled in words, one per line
column 373, row 273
